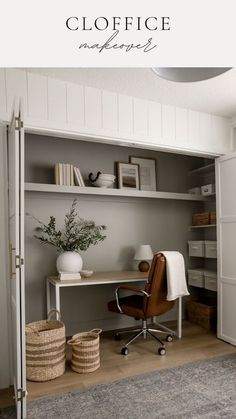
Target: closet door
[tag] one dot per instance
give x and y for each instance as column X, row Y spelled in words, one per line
column 16, row 245
column 226, row 242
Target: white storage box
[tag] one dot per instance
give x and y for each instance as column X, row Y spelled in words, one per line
column 210, row 280
column 210, row 249
column 195, row 191
column 196, row 278
column 196, row 248
column 208, row 189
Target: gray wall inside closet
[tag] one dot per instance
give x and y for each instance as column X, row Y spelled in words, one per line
column 130, row 222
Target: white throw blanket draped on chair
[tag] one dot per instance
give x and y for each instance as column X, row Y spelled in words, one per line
column 175, row 274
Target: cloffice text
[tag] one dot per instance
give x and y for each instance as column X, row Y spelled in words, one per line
column 117, row 27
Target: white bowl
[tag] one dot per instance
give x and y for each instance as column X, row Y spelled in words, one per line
column 107, row 176
column 86, row 274
column 105, row 181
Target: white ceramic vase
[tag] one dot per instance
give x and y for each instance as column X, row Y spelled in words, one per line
column 69, row 262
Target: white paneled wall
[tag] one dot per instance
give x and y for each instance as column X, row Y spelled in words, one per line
column 109, row 111
column 93, row 108
column 140, row 118
column 125, row 116
column 110, row 116
column 220, row 129
column 155, row 122
column 75, row 106
column 205, row 136
column 3, row 98
column 37, row 97
column 168, row 123
column 57, row 101
column 16, row 86
column 193, row 128
column 181, row 127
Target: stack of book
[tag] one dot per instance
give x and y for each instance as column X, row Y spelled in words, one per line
column 68, row 276
column 78, row 177
column 67, row 174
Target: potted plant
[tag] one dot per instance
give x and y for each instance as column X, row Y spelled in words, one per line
column 77, row 235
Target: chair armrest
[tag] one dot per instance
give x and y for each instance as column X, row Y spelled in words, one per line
column 128, row 288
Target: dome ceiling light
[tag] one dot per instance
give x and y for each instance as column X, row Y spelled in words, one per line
column 189, row 74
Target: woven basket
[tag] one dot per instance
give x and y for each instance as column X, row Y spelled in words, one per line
column 85, row 351
column 213, row 217
column 200, row 219
column 203, row 314
column 45, row 349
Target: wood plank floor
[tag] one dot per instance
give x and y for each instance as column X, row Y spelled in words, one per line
column 196, row 344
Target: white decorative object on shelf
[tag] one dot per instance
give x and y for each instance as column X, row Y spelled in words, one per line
column 208, row 189
column 70, row 262
column 69, row 276
column 86, row 273
column 102, row 180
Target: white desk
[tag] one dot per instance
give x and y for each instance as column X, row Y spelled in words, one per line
column 102, row 278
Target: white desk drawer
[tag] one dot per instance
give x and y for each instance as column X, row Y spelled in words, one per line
column 210, row 249
column 196, row 248
column 196, row 278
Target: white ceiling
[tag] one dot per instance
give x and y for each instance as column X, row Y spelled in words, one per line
column 217, row 95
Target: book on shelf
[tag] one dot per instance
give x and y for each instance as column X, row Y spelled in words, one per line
column 79, row 181
column 64, row 174
column 68, row 276
column 57, row 174
column 72, row 175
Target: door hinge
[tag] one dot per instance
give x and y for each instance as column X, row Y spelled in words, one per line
column 19, row 261
column 17, row 123
column 21, row 394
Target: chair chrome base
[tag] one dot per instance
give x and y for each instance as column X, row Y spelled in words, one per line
column 144, row 330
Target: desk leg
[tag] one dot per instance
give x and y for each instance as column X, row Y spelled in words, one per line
column 48, row 296
column 180, row 318
column 57, row 294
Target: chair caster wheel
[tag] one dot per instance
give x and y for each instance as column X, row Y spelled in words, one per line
column 169, row 338
column 161, row 351
column 117, row 336
column 124, row 351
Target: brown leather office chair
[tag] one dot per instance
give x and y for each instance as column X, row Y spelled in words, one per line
column 146, row 303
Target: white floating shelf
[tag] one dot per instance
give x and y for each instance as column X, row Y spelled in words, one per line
column 204, row 226
column 77, row 190
column 210, row 168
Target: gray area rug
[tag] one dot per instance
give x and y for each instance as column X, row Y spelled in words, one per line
column 203, row 389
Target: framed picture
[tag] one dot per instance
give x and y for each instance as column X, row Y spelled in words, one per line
column 128, row 176
column 147, row 170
